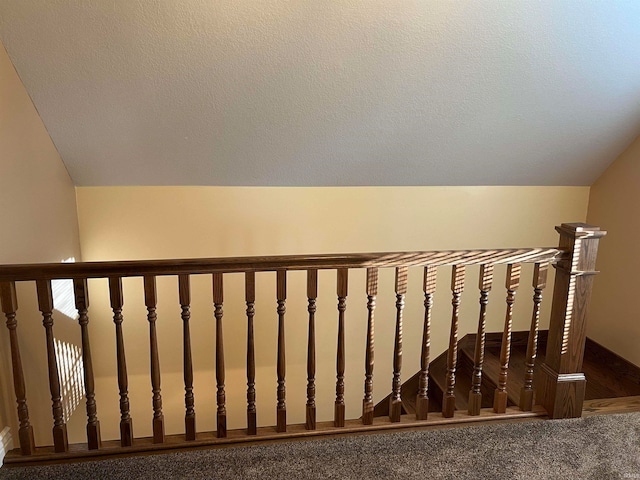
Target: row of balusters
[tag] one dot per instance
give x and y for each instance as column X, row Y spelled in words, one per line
column 45, row 301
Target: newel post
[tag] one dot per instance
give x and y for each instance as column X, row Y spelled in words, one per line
column 560, row 382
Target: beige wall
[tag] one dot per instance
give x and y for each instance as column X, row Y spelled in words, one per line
column 613, row 205
column 39, row 224
column 175, row 222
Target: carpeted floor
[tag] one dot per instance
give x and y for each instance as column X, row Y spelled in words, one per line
column 599, row 447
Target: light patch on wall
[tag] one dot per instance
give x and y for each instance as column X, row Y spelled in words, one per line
column 69, row 356
column 63, row 299
column 70, row 369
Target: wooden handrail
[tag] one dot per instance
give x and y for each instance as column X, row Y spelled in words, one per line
column 140, row 268
column 559, row 384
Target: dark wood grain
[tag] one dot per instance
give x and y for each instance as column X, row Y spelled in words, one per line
column 475, row 394
column 117, row 302
column 511, row 283
column 560, row 384
column 81, row 296
column 151, row 301
column 45, row 304
column 457, row 287
column 281, row 408
column 9, row 303
column 342, row 287
column 312, row 294
column 539, row 283
column 372, row 292
column 221, row 413
column 137, row 268
column 395, row 405
column 184, row 291
column 429, row 289
column 250, row 298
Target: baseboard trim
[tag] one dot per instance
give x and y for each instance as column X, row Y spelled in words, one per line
column 6, row 442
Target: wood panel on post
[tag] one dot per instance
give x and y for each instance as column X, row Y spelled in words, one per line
column 560, row 384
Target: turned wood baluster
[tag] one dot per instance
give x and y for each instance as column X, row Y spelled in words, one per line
column 151, row 300
column 539, row 283
column 395, row 402
column 126, row 423
column 372, row 292
column 81, row 294
column 250, row 298
column 475, row 396
column 281, row 409
column 184, row 289
column 512, row 283
column 422, row 398
column 312, row 294
column 220, row 396
column 457, row 286
column 9, row 302
column 339, row 411
column 45, row 304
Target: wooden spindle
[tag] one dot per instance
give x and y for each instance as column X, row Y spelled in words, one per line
column 9, row 303
column 117, row 302
column 395, row 402
column 45, row 304
column 422, row 398
column 312, row 294
column 512, row 283
column 220, row 395
column 372, row 292
column 339, row 411
column 539, row 283
column 81, row 294
column 184, row 290
column 250, row 298
column 475, row 396
column 151, row 301
column 457, row 286
column 281, row 408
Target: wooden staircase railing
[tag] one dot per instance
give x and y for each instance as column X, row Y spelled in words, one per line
column 559, row 386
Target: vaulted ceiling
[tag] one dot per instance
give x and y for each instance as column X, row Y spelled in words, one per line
column 326, row 92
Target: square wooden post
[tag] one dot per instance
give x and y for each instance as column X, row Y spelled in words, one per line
column 560, row 384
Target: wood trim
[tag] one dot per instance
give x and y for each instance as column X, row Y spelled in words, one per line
column 112, row 448
column 137, row 268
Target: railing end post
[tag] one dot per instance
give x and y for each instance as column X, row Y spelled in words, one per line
column 560, row 384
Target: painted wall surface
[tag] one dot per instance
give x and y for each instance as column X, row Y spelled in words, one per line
column 613, row 205
column 178, row 222
column 39, row 224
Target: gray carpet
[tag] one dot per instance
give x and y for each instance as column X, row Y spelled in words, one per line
column 599, row 447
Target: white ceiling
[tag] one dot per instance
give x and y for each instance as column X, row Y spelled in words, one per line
column 327, row 92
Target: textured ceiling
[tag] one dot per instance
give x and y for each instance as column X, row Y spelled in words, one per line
column 327, row 92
